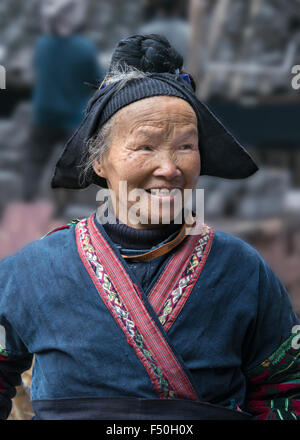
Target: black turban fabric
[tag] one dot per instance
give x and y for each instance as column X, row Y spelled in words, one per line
column 221, row 154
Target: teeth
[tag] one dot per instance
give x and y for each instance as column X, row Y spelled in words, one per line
column 160, row 192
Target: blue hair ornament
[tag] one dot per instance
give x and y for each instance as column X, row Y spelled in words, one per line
column 185, row 77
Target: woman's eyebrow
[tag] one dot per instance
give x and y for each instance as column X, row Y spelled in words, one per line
column 149, row 132
column 189, row 133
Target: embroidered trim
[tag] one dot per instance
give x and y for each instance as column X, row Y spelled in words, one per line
column 278, row 375
column 118, row 309
column 132, row 298
column 281, row 361
column 174, row 301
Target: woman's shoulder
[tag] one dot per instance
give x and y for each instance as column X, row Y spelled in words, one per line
column 233, row 258
column 54, row 245
column 235, row 251
column 234, row 243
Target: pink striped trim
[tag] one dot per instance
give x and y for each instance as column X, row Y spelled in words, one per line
column 172, row 273
column 195, row 262
column 2, row 358
column 152, row 336
column 81, row 245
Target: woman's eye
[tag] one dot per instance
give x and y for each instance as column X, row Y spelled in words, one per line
column 186, row 147
column 146, row 148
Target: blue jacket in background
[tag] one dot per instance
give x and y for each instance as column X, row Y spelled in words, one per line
column 62, row 66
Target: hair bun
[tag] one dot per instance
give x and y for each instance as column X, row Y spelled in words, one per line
column 148, row 53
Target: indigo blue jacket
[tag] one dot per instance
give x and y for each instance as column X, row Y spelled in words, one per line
column 235, row 338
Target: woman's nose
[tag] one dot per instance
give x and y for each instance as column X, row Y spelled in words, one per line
column 166, row 167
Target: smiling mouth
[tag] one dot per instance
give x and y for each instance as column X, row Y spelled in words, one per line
column 162, row 192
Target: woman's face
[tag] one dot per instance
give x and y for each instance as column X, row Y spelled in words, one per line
column 153, row 148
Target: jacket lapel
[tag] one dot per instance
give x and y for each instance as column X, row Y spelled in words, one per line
column 171, row 291
column 125, row 303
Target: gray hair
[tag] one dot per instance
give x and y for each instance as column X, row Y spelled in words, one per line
column 99, row 144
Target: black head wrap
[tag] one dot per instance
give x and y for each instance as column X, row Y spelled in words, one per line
column 221, row 154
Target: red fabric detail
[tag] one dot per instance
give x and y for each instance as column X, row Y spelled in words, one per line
column 189, row 289
column 58, row 229
column 295, row 405
column 153, row 338
column 268, row 391
column 171, row 274
column 263, row 410
column 117, row 319
column 261, row 377
column 2, row 358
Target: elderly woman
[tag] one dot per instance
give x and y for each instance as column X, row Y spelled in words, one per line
column 139, row 318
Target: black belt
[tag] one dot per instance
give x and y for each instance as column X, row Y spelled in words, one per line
column 131, row 409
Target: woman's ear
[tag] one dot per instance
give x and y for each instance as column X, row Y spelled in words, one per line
column 98, row 168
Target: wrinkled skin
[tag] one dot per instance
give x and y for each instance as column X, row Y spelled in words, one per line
column 153, row 144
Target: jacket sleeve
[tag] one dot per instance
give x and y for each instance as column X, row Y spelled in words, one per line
column 14, row 360
column 273, row 359
column 15, row 357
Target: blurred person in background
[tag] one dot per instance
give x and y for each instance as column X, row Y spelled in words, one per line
column 64, row 62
